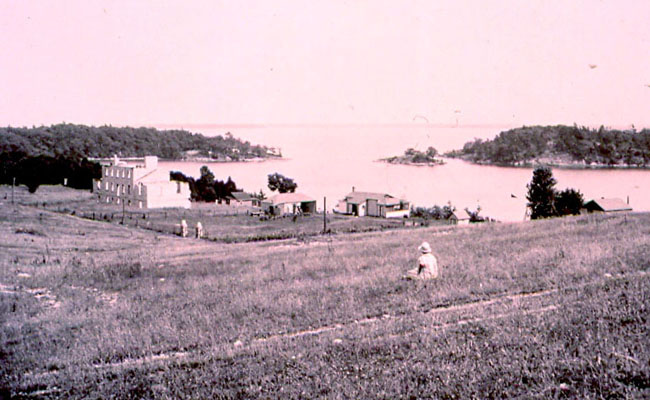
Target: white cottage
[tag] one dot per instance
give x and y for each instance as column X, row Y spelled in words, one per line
column 289, row 203
column 373, row 205
column 140, row 184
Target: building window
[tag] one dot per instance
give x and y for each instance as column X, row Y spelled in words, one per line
column 128, row 189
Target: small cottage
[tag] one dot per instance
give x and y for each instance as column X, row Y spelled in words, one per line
column 242, row 199
column 289, row 203
column 607, row 205
column 373, row 205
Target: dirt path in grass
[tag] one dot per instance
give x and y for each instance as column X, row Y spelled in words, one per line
column 441, row 318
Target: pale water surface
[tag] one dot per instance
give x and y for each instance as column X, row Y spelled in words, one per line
column 329, row 161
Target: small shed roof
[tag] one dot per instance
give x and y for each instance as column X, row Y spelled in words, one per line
column 283, row 198
column 242, row 196
column 361, row 197
column 613, row 204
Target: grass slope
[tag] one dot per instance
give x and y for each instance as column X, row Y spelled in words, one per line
column 546, row 309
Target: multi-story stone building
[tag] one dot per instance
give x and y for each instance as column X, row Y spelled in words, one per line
column 140, row 184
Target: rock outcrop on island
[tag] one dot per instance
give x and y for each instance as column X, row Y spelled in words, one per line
column 415, row 157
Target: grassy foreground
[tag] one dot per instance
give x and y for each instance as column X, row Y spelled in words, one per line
column 546, row 309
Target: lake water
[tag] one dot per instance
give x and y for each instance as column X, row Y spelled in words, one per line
column 327, row 161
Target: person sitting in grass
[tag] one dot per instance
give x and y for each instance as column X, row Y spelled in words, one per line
column 427, row 265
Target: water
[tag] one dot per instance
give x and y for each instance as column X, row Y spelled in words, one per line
column 329, row 161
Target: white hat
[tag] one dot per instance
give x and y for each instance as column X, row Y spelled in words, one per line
column 425, row 248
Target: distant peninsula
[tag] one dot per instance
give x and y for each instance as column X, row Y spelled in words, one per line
column 70, row 140
column 415, row 157
column 561, row 146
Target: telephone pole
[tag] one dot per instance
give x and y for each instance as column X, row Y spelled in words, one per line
column 324, row 214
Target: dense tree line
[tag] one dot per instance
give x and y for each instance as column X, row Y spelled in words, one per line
column 72, row 141
column 33, row 171
column 569, row 143
column 206, row 188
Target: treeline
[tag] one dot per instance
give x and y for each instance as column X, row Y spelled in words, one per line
column 563, row 144
column 33, row 171
column 206, row 188
column 73, row 141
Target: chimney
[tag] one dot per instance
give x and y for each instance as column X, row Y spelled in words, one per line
column 352, row 189
column 151, row 162
column 628, row 200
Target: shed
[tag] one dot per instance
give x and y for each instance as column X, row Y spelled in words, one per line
column 289, row 203
column 607, row 205
column 242, row 199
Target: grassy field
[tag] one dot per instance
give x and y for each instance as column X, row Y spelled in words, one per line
column 545, row 309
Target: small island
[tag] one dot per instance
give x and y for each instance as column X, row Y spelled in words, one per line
column 417, row 158
column 561, row 146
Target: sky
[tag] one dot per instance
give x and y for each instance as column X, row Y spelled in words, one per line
column 325, row 62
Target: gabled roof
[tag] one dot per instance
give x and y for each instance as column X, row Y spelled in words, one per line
column 241, row 196
column 610, row 205
column 283, row 198
column 361, row 197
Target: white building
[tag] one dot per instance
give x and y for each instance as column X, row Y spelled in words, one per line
column 373, row 204
column 140, row 184
column 289, row 203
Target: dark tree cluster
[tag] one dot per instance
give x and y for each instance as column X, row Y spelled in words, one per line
column 70, row 140
column 577, row 144
column 281, row 183
column 33, row 171
column 206, row 188
column 544, row 201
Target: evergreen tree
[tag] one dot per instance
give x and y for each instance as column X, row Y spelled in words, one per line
column 541, row 193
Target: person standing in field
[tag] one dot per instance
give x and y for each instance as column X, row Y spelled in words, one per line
column 199, row 230
column 183, row 228
column 427, row 265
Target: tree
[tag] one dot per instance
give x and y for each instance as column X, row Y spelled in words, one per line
column 281, row 183
column 205, row 186
column 568, row 202
column 541, row 193
column 474, row 215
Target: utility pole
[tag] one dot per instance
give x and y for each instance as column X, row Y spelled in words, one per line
column 324, row 214
column 13, row 184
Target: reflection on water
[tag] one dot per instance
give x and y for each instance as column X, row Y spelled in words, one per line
column 329, row 161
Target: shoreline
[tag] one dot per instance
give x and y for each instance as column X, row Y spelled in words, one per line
column 559, row 165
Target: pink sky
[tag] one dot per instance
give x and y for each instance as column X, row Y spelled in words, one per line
column 302, row 62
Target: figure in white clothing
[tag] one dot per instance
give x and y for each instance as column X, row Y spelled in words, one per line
column 183, row 228
column 199, row 230
column 427, row 265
